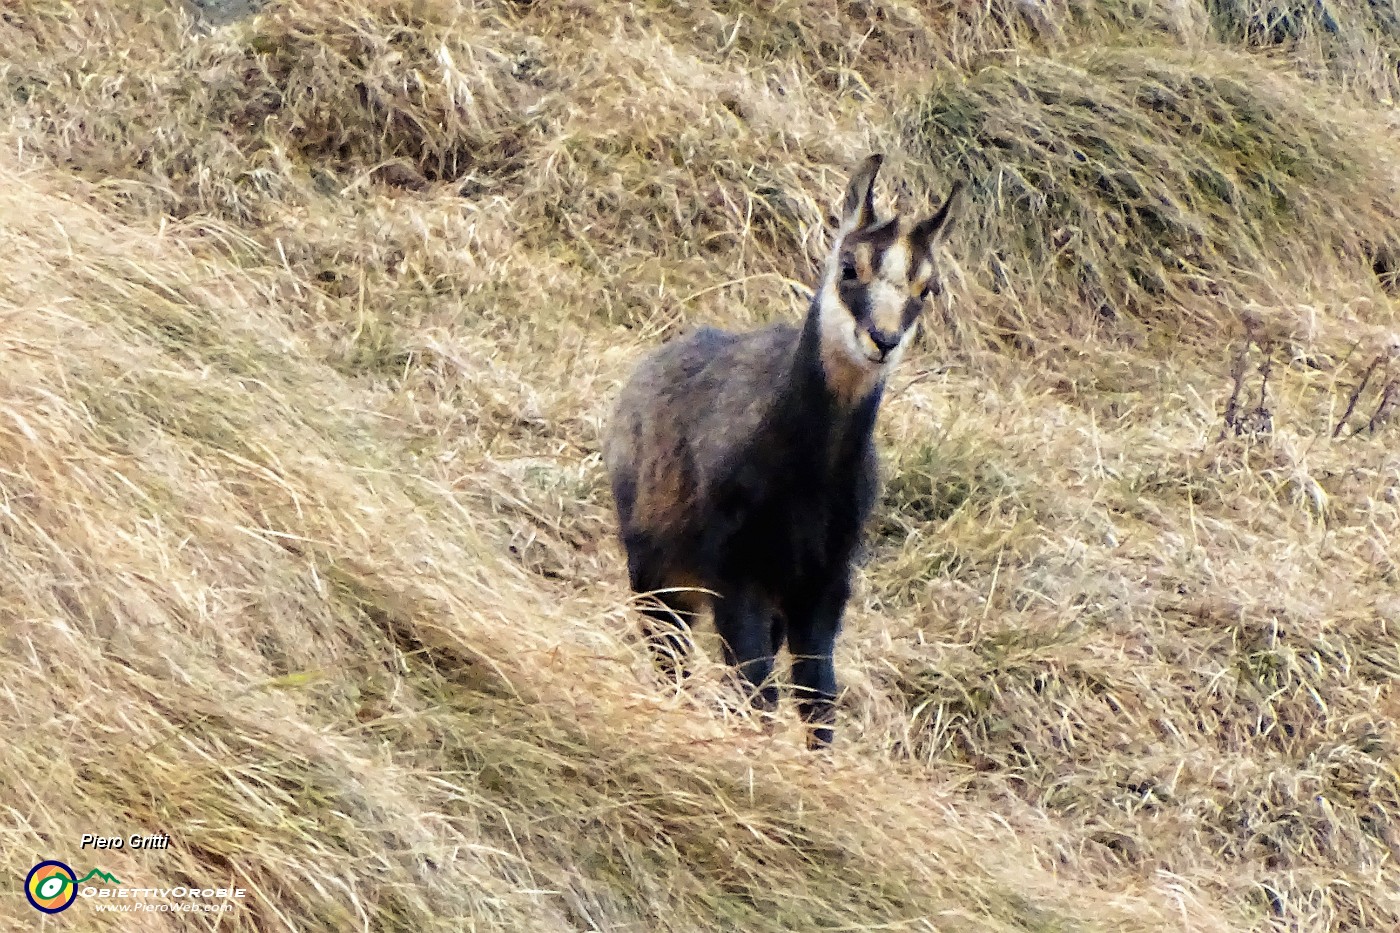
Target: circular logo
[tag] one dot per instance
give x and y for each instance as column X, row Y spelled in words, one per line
column 51, row 886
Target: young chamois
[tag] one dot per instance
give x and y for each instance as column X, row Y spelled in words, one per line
column 743, row 464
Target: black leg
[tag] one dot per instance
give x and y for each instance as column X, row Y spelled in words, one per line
column 669, row 613
column 744, row 621
column 779, row 632
column 812, row 629
column 665, row 631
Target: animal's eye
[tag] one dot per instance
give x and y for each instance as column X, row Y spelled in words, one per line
column 848, row 271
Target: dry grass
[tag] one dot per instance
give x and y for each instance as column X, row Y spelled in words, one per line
column 309, row 325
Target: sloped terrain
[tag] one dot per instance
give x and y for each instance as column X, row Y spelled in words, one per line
column 309, row 323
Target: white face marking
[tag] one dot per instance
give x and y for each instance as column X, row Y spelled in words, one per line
column 846, row 342
column 894, row 267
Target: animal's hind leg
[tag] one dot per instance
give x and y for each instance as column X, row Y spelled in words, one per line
column 745, row 621
column 669, row 611
column 665, row 629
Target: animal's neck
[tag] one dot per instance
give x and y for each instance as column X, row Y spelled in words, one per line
column 823, row 407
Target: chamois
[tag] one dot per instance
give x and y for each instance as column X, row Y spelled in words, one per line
column 743, row 466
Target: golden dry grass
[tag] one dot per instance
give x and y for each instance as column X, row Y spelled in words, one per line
column 308, row 325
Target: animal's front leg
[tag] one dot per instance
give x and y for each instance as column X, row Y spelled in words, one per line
column 813, row 624
column 744, row 619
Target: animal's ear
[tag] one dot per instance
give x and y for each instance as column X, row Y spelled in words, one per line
column 858, row 211
column 928, row 234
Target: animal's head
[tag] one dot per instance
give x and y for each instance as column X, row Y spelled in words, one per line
column 878, row 278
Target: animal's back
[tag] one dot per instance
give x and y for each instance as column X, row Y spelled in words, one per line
column 687, row 411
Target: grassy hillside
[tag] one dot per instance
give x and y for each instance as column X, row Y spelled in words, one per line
column 309, row 322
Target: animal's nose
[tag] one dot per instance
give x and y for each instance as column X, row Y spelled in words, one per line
column 883, row 341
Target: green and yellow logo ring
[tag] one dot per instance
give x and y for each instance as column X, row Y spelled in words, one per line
column 51, row 887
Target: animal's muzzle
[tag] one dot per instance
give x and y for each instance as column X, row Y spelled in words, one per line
column 884, row 341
